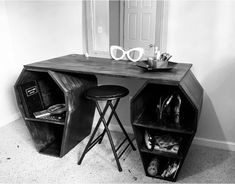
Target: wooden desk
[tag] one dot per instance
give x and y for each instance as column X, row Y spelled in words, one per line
column 91, row 65
column 70, row 75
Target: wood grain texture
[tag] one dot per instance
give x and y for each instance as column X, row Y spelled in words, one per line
column 56, row 137
column 80, row 111
column 193, row 90
column 80, row 64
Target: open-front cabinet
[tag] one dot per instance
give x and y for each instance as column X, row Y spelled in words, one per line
column 164, row 119
column 55, row 132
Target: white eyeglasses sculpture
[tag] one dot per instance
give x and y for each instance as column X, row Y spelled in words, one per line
column 119, row 53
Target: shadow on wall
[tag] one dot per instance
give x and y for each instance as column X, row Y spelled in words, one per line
column 209, row 126
column 215, row 124
column 218, row 115
column 200, row 158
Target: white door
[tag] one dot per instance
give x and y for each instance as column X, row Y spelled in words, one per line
column 139, row 24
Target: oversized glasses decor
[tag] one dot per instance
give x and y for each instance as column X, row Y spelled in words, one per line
column 134, row 54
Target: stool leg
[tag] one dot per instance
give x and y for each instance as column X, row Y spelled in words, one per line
column 93, row 134
column 110, row 117
column 88, row 144
column 110, row 138
column 124, row 131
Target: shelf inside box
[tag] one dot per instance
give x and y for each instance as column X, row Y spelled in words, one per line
column 59, row 122
column 48, row 137
column 163, row 162
column 162, row 178
column 178, row 155
column 154, row 125
column 148, row 119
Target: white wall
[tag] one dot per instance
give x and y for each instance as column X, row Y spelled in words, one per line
column 32, row 31
column 203, row 33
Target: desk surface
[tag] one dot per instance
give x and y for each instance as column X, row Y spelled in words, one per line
column 80, row 64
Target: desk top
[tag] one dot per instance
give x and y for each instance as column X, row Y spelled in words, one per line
column 102, row 66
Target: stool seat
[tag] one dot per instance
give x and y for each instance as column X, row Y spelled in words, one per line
column 106, row 92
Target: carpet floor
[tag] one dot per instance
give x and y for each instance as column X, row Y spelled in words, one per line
column 21, row 163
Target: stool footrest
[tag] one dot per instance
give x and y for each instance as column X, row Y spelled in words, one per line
column 123, row 151
column 93, row 143
column 120, row 145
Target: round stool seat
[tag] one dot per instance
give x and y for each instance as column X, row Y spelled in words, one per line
column 106, row 92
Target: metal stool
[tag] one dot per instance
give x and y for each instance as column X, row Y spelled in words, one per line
column 107, row 93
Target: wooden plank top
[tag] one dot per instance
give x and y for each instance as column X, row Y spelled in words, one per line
column 75, row 63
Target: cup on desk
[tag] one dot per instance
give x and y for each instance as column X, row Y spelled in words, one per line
column 153, row 63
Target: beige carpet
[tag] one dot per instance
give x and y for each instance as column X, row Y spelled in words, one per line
column 21, row 163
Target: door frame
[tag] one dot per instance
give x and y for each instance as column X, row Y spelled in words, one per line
column 88, row 31
column 88, row 36
column 161, row 20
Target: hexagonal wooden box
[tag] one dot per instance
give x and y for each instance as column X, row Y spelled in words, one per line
column 164, row 118
column 38, row 90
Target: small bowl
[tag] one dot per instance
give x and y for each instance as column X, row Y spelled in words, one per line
column 161, row 64
column 152, row 63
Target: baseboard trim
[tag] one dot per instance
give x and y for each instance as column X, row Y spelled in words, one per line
column 230, row 146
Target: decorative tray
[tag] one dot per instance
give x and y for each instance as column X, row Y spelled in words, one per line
column 145, row 66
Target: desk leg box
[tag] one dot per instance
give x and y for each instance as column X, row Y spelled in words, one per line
column 38, row 90
column 164, row 140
